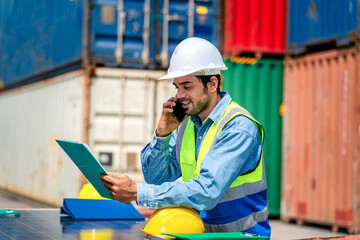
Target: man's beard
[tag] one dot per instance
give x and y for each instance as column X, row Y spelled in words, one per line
column 202, row 104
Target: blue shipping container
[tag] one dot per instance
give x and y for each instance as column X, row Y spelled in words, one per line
column 47, row 38
column 316, row 22
column 120, row 32
column 142, row 33
column 38, row 37
column 183, row 18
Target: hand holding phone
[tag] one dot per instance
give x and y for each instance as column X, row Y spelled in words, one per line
column 178, row 111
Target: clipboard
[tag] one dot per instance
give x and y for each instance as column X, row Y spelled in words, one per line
column 219, row 235
column 83, row 158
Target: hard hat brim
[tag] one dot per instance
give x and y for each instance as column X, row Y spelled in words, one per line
column 199, row 72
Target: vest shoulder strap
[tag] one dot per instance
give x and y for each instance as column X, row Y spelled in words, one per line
column 180, row 135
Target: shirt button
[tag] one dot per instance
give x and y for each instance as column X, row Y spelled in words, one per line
column 200, row 137
column 144, row 205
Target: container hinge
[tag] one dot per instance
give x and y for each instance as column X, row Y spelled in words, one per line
column 120, row 32
column 191, row 10
column 164, row 55
column 146, row 34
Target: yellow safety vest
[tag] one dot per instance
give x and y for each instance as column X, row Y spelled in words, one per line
column 248, row 184
column 190, row 167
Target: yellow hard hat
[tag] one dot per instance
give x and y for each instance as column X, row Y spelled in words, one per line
column 174, row 220
column 89, row 192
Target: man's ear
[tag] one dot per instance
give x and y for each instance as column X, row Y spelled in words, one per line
column 213, row 84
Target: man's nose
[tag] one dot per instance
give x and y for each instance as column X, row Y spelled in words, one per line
column 180, row 94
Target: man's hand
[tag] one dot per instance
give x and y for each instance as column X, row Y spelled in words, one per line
column 121, row 187
column 167, row 122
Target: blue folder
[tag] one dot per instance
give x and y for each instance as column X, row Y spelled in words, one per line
column 96, row 209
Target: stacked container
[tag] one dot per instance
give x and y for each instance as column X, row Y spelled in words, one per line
column 86, row 71
column 254, row 42
column 117, row 118
column 314, row 25
column 256, row 26
column 321, row 153
column 53, row 37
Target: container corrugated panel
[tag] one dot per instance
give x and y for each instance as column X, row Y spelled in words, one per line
column 254, row 26
column 164, row 90
column 317, row 22
column 258, row 88
column 38, row 38
column 321, row 139
column 122, row 113
column 31, row 118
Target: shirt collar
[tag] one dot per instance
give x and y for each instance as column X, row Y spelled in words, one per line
column 217, row 113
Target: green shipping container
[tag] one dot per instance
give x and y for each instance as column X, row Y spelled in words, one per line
column 258, row 88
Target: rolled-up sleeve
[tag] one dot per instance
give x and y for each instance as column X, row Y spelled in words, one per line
column 158, row 160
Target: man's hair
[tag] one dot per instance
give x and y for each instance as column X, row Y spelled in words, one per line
column 206, row 79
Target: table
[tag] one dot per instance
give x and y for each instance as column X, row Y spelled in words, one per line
column 36, row 224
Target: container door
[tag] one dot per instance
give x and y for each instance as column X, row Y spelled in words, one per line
column 122, row 117
column 187, row 18
column 120, row 33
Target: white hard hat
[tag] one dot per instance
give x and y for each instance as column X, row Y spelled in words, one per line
column 195, row 56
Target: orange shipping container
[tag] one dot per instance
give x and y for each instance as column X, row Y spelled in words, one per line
column 321, row 141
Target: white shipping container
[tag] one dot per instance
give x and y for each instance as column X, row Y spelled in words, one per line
column 122, row 117
column 31, row 118
column 121, row 121
column 164, row 90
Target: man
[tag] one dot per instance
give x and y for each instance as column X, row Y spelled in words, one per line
column 217, row 150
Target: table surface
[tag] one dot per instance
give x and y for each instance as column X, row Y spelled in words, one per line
column 50, row 224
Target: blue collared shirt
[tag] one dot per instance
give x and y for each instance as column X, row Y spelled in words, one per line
column 236, row 151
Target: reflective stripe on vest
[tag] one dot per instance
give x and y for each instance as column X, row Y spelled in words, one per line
column 249, row 183
column 245, row 223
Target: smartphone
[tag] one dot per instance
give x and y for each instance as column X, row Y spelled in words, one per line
column 179, row 112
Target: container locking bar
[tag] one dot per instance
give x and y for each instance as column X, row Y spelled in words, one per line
column 146, row 34
column 120, row 32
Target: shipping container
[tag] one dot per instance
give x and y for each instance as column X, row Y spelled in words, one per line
column 122, row 32
column 257, row 86
column 38, row 38
column 256, row 26
column 165, row 90
column 119, row 123
column 188, row 18
column 52, row 37
column 31, row 119
column 321, row 139
column 315, row 24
